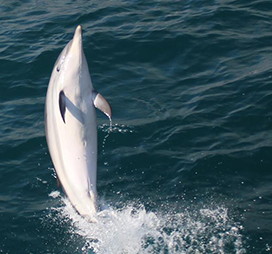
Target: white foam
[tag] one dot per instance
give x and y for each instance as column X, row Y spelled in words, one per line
column 54, row 194
column 135, row 230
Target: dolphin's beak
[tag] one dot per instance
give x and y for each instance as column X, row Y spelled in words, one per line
column 77, row 40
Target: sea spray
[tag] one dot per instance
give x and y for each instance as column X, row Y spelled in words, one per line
column 133, row 229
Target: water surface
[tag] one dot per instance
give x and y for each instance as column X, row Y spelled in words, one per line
column 186, row 167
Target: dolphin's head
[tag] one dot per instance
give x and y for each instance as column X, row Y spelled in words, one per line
column 71, row 63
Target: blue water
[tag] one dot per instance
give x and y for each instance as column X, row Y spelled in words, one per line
column 186, row 167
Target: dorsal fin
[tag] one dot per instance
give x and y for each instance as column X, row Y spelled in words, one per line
column 62, row 105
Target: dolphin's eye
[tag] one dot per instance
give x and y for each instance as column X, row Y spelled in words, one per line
column 59, row 62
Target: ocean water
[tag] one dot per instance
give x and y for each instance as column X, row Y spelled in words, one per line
column 186, row 166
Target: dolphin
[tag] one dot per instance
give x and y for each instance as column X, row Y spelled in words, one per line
column 71, row 128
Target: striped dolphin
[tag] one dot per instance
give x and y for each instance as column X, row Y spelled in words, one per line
column 71, row 128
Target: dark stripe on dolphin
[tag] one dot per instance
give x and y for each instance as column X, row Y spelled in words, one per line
column 62, row 105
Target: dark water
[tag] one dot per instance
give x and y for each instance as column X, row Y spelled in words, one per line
column 186, row 167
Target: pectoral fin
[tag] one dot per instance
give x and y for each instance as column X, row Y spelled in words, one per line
column 62, row 105
column 101, row 103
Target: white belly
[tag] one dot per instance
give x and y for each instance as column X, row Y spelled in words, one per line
column 73, row 149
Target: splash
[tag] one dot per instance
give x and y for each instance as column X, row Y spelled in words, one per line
column 116, row 128
column 113, row 128
column 133, row 229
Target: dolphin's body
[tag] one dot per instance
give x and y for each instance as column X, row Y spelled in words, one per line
column 71, row 129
